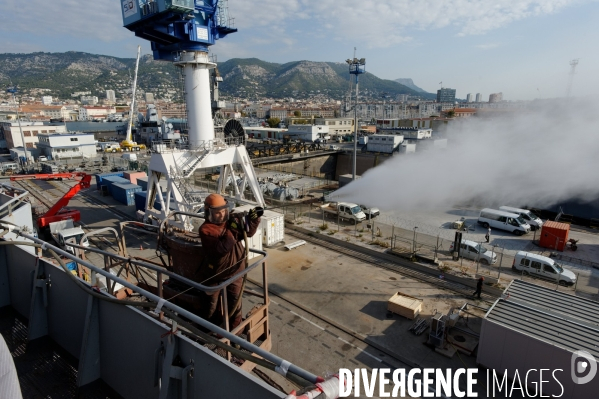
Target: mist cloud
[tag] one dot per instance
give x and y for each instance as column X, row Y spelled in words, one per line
column 538, row 157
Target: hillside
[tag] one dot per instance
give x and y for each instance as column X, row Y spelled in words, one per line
column 65, row 73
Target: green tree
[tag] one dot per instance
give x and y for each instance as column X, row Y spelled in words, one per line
column 450, row 113
column 297, row 114
column 273, row 122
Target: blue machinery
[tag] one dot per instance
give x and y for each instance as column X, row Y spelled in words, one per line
column 177, row 25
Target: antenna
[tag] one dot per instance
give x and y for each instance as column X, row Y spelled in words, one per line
column 573, row 64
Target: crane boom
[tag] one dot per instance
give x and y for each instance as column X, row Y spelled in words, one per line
column 129, row 138
column 57, row 211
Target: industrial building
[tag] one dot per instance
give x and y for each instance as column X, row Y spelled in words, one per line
column 11, row 132
column 409, row 133
column 533, row 327
column 386, row 143
column 266, row 133
column 337, row 126
column 65, row 146
column 309, row 133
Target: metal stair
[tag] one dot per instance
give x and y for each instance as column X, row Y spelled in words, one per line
column 189, row 166
column 179, row 178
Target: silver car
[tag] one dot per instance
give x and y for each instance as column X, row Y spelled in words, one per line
column 476, row 251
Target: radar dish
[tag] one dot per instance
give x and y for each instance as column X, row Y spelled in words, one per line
column 234, row 130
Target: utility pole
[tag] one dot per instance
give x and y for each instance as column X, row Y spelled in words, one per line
column 573, row 65
column 356, row 67
column 13, row 91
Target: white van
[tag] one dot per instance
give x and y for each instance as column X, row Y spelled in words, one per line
column 475, row 251
column 503, row 221
column 541, row 266
column 530, row 218
column 130, row 157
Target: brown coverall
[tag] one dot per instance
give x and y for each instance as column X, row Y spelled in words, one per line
column 225, row 256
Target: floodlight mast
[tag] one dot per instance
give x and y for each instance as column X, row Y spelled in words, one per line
column 13, row 90
column 356, row 67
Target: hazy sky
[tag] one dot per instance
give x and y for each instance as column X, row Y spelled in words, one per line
column 519, row 47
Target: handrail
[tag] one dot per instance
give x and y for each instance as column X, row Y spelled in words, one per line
column 185, row 280
column 181, row 311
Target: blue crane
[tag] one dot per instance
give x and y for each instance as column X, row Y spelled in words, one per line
column 173, row 26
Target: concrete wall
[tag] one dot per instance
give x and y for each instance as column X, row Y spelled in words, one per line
column 318, row 167
column 363, row 163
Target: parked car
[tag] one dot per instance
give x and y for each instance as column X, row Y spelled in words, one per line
column 543, row 267
column 42, row 158
column 504, row 221
column 370, row 212
column 475, row 251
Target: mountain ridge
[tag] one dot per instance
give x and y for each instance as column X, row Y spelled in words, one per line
column 64, row 73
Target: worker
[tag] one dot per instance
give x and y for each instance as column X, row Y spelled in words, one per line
column 479, row 287
column 222, row 239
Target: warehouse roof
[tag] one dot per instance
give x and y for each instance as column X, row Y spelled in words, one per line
column 549, row 316
column 554, row 302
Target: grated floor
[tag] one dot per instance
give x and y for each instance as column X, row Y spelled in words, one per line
column 45, row 370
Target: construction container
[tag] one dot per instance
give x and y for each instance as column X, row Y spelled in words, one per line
column 255, row 242
column 554, row 235
column 140, row 201
column 110, row 180
column 142, row 182
column 101, row 176
column 125, row 193
column 405, row 305
column 273, row 228
column 133, row 176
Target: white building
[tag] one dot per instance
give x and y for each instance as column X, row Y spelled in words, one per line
column 386, row 143
column 409, row 133
column 67, row 145
column 308, row 133
column 91, row 113
column 9, row 131
column 149, row 98
column 266, row 133
column 89, row 100
column 478, row 98
column 46, row 100
column 110, row 96
column 469, row 97
column 337, row 126
column 55, row 112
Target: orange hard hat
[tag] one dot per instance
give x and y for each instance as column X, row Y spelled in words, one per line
column 215, row 201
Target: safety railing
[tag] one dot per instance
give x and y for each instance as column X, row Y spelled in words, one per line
column 163, row 304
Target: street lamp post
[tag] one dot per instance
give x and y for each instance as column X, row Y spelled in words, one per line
column 13, row 91
column 356, row 67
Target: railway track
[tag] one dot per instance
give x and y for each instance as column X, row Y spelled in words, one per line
column 397, row 265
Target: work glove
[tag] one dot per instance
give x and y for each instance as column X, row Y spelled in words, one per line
column 235, row 223
column 255, row 213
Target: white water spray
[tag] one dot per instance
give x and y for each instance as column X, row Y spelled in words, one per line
column 535, row 157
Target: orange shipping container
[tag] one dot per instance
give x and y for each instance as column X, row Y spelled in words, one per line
column 554, row 235
column 133, row 176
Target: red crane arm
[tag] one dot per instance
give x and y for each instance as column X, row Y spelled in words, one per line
column 56, row 212
column 64, row 201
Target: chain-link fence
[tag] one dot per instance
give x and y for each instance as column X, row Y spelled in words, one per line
column 434, row 251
